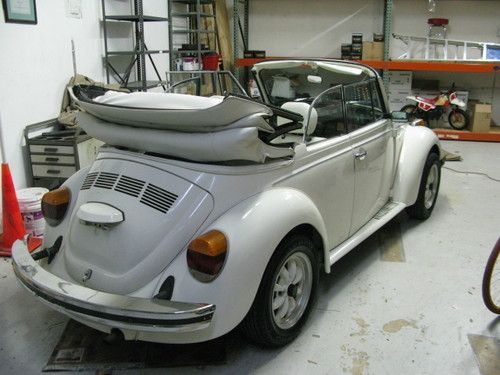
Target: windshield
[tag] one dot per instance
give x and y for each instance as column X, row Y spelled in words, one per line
column 285, row 81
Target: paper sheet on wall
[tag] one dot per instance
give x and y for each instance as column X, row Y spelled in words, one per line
column 20, row 6
column 74, row 8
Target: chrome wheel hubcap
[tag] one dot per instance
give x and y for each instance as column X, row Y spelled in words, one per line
column 291, row 290
column 431, row 186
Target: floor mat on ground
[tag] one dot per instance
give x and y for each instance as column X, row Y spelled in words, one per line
column 81, row 348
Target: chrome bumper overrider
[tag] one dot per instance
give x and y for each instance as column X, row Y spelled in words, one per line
column 114, row 310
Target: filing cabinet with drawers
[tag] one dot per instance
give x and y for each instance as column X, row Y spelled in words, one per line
column 55, row 153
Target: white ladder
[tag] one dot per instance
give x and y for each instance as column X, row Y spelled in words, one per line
column 425, row 48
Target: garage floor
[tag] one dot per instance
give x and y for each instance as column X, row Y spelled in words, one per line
column 407, row 301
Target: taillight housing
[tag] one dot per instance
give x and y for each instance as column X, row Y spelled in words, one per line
column 206, row 255
column 55, row 204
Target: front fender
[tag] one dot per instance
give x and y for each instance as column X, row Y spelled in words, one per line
column 417, row 143
column 254, row 228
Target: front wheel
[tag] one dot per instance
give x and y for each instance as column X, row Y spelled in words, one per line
column 428, row 190
column 285, row 294
column 458, row 119
column 491, row 281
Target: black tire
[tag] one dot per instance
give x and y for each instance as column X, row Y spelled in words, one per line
column 423, row 206
column 456, row 114
column 259, row 325
column 411, row 110
column 491, row 280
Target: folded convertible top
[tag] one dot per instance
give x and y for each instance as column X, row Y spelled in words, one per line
column 176, row 112
column 223, row 145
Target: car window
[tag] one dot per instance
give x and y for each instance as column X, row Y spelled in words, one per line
column 330, row 115
column 363, row 104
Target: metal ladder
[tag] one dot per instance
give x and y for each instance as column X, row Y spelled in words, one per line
column 425, row 48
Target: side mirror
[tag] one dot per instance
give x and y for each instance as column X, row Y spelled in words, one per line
column 398, row 116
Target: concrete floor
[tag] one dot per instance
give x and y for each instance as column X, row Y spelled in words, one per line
column 407, row 301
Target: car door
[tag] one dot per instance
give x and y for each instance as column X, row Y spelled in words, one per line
column 325, row 171
column 371, row 141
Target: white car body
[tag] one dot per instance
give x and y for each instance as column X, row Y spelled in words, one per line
column 338, row 191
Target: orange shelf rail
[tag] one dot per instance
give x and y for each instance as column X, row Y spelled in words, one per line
column 461, row 135
column 438, row 66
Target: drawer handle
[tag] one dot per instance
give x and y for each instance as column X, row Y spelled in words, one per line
column 53, row 171
column 50, row 149
column 51, row 159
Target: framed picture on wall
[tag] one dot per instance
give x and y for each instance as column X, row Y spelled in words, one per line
column 20, row 11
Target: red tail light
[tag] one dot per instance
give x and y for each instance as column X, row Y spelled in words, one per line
column 206, row 255
column 54, row 205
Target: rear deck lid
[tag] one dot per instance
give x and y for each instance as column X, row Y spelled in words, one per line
column 160, row 214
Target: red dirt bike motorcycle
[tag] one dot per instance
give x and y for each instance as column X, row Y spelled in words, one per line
column 433, row 109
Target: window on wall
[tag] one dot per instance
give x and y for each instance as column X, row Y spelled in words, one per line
column 363, row 104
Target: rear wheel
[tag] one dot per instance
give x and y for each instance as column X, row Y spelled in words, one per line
column 285, row 294
column 491, row 280
column 428, row 190
column 458, row 119
column 411, row 110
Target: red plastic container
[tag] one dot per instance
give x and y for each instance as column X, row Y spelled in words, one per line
column 210, row 62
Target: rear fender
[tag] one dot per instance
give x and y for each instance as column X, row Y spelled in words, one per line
column 417, row 143
column 74, row 183
column 254, row 228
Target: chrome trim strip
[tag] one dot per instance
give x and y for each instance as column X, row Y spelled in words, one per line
column 106, row 307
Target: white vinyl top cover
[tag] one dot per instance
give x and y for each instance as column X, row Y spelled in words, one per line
column 177, row 112
column 241, row 143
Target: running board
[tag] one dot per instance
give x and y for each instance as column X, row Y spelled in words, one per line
column 382, row 217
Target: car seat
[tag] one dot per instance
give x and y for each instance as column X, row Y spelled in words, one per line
column 308, row 123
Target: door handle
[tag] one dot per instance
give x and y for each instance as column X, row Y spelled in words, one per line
column 360, row 154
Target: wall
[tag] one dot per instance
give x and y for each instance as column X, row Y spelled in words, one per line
column 311, row 28
column 36, row 63
column 317, row 28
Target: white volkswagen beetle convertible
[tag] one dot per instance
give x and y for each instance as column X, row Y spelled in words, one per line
column 202, row 214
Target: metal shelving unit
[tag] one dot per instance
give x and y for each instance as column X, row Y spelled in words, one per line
column 238, row 7
column 138, row 55
column 193, row 13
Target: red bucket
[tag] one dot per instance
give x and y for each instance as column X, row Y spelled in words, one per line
column 210, row 62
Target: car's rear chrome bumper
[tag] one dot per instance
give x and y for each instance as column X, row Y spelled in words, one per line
column 113, row 310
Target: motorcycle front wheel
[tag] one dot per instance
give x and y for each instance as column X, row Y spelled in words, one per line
column 458, row 119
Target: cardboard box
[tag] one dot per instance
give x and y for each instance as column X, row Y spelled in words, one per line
column 400, row 80
column 357, row 38
column 481, row 118
column 378, row 51
column 398, row 99
column 464, row 96
column 373, row 51
column 367, row 50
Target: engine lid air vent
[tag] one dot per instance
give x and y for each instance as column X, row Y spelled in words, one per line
column 158, row 198
column 106, row 180
column 130, row 186
column 89, row 180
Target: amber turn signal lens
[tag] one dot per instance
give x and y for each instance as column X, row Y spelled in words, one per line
column 54, row 205
column 206, row 255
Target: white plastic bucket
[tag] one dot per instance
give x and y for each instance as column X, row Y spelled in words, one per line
column 30, row 205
